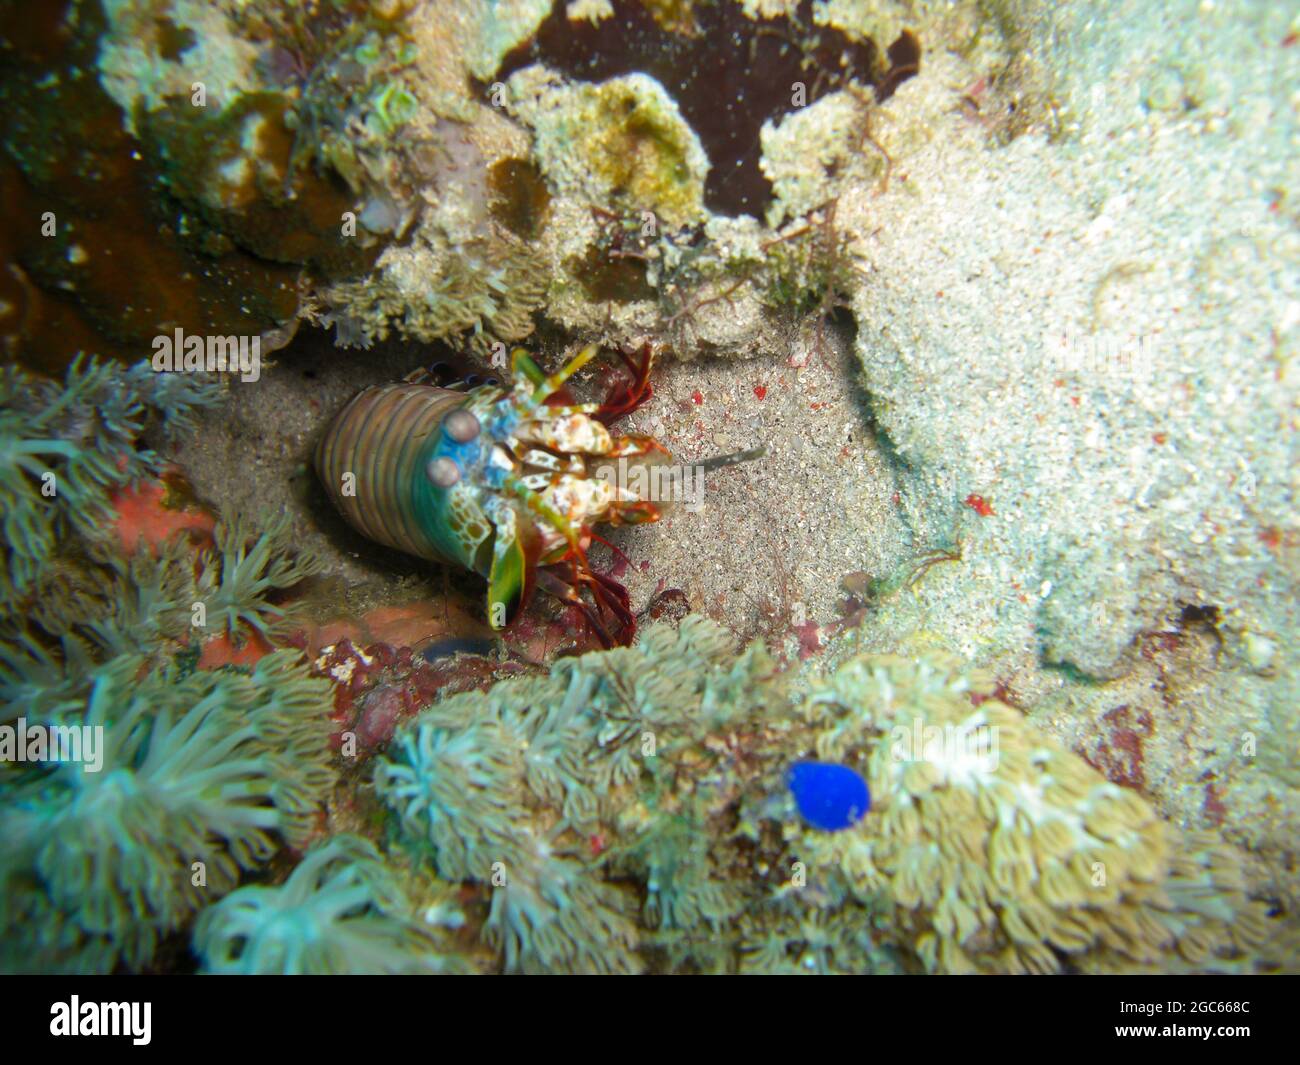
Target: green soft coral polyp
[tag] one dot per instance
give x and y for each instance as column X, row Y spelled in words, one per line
column 203, row 777
column 338, row 912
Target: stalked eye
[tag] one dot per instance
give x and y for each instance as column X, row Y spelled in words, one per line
column 493, row 381
column 472, row 380
column 461, row 426
column 443, row 471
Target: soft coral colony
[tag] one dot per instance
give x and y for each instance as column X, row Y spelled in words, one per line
column 1020, row 857
column 624, row 812
column 201, row 775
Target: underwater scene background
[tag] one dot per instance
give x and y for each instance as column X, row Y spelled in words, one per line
column 673, row 486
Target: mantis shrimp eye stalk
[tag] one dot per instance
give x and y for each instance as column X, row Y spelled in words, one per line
column 443, row 471
column 461, row 426
column 497, row 479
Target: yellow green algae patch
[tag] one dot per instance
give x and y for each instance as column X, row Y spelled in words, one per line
column 624, row 139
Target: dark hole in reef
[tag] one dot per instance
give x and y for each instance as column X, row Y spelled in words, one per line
column 449, row 365
column 1192, row 615
column 620, row 280
column 727, row 72
column 520, row 199
column 904, row 60
column 173, row 40
column 841, row 319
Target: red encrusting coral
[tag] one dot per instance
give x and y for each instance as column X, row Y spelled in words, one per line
column 1213, row 808
column 222, row 651
column 148, row 514
column 1118, row 753
column 810, row 640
